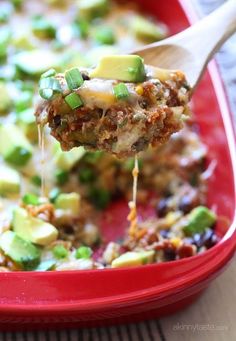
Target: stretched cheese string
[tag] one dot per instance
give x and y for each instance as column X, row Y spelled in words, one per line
column 41, row 139
column 132, row 217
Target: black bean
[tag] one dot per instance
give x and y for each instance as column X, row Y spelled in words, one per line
column 85, row 76
column 164, row 233
column 169, row 254
column 209, row 238
column 162, row 207
column 143, row 104
column 186, row 204
column 57, row 120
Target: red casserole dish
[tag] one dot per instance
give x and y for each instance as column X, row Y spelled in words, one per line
column 97, row 297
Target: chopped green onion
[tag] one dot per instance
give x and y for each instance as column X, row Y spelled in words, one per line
column 54, row 194
column 59, row 251
column 81, row 27
column 50, row 83
column 31, row 199
column 73, row 78
column 36, row 180
column 73, row 100
column 46, row 93
column 62, row 176
column 105, row 35
column 84, row 252
column 49, row 73
column 121, row 91
column 47, row 87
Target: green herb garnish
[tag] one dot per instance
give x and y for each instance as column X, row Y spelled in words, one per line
column 121, row 91
column 73, row 78
column 73, row 100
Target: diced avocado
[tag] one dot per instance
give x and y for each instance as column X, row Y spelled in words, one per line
column 105, row 35
column 24, row 101
column 146, row 30
column 5, row 99
column 90, row 9
column 127, row 68
column 199, row 219
column 133, row 258
column 26, row 120
column 9, row 181
column 14, row 146
column 33, row 229
column 69, row 202
column 46, row 265
column 43, row 28
column 35, row 62
column 66, row 160
column 25, row 254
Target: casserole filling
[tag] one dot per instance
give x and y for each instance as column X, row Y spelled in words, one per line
column 54, row 203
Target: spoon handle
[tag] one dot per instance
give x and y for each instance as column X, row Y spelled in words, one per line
column 208, row 35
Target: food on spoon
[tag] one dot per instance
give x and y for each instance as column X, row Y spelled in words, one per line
column 120, row 107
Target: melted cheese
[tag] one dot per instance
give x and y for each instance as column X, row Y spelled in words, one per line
column 41, row 139
column 132, row 217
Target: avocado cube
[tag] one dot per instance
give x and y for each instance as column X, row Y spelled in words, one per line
column 133, row 258
column 127, row 68
column 9, row 181
column 26, row 120
column 66, row 160
column 90, row 9
column 69, row 202
column 198, row 220
column 5, row 99
column 35, row 62
column 23, row 253
column 146, row 30
column 33, row 229
column 43, row 28
column 14, row 146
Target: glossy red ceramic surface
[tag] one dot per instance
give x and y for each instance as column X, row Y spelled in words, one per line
column 95, row 297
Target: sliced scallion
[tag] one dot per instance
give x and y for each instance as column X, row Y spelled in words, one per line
column 31, row 199
column 49, row 73
column 73, row 78
column 73, row 100
column 47, row 87
column 121, row 91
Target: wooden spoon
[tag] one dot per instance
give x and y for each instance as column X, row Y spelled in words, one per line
column 191, row 49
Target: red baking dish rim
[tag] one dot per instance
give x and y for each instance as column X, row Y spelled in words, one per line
column 217, row 256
